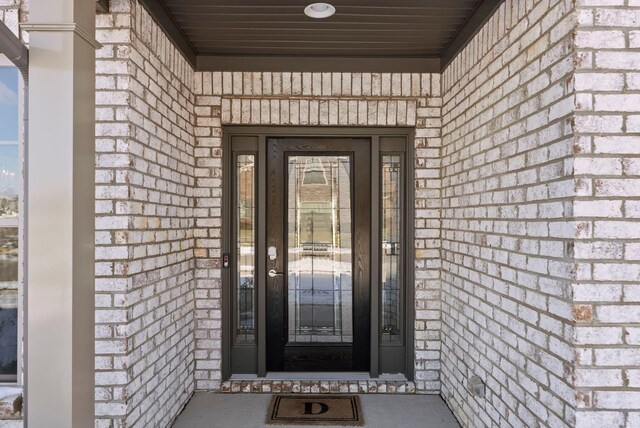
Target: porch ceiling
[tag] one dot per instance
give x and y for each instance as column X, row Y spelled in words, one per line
column 275, row 35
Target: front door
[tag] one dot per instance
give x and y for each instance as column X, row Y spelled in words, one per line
column 318, row 254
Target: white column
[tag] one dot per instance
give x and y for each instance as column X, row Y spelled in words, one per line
column 60, row 216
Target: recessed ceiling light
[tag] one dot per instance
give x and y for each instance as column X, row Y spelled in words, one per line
column 319, row 10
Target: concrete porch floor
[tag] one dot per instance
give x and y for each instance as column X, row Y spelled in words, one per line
column 250, row 410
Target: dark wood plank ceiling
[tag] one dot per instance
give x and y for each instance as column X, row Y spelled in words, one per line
column 389, row 29
column 359, row 27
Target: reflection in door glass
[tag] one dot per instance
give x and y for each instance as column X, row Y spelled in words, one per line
column 8, row 300
column 391, row 245
column 10, row 191
column 245, row 248
column 319, row 265
column 9, row 179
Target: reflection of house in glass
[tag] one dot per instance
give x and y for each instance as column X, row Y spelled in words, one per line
column 319, row 249
column 9, row 206
column 9, row 179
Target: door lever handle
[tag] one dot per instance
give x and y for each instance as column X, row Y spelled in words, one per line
column 272, row 273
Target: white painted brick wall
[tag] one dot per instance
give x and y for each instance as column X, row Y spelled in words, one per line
column 608, row 275
column 527, row 211
column 317, row 99
column 506, row 235
column 13, row 13
column 144, row 208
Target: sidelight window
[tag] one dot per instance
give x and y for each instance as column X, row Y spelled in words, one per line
column 245, row 239
column 10, row 190
column 391, row 261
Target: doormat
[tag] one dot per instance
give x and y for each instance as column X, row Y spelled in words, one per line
column 336, row 410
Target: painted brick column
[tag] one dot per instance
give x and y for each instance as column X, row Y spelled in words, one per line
column 60, row 221
column 144, row 222
column 606, row 292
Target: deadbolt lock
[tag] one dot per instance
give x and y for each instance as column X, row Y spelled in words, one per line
column 272, row 252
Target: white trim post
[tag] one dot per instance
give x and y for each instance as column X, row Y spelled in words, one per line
column 60, row 217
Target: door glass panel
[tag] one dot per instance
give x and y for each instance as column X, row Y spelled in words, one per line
column 319, row 262
column 245, row 248
column 391, row 245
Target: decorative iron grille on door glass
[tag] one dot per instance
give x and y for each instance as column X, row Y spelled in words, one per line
column 319, row 249
column 245, row 231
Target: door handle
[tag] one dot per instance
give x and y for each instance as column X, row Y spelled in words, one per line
column 272, row 273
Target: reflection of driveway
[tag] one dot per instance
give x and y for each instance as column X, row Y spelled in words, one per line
column 8, row 295
column 317, row 300
column 318, row 289
column 320, row 265
column 8, row 340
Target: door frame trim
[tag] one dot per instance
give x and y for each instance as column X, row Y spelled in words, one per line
column 374, row 133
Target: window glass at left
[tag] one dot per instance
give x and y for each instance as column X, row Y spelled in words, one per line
column 10, row 193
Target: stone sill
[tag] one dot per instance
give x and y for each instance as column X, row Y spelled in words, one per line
column 319, row 386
